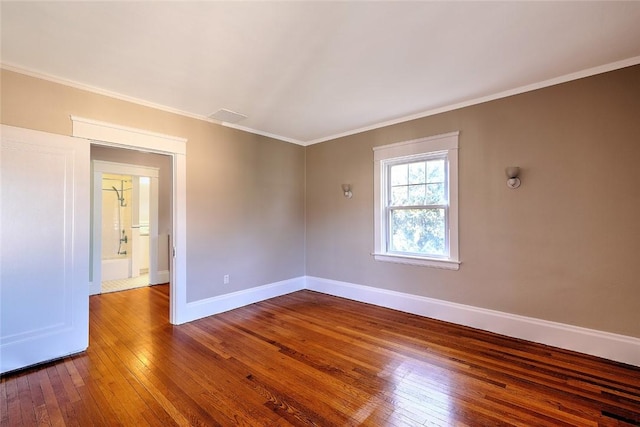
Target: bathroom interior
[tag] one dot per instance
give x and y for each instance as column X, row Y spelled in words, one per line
column 125, row 232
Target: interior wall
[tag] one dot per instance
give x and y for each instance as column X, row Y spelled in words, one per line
column 563, row 247
column 245, row 192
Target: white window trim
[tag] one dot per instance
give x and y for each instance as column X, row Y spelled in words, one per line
column 446, row 142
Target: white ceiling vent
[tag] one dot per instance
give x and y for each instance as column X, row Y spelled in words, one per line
column 227, row 116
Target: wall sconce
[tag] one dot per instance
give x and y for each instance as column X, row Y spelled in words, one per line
column 346, row 189
column 512, row 174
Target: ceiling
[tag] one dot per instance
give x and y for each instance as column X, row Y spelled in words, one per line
column 306, row 72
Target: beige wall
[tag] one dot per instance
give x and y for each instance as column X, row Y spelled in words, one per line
column 564, row 247
column 245, row 193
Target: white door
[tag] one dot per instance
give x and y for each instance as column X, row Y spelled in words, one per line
column 44, row 247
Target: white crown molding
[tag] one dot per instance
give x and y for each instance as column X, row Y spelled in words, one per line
column 137, row 101
column 99, row 91
column 528, row 88
column 610, row 346
column 516, row 91
column 267, row 134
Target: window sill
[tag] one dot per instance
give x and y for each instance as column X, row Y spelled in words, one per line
column 424, row 262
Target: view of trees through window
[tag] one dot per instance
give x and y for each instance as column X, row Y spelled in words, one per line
column 417, row 203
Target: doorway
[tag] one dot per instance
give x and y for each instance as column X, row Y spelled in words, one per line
column 125, row 226
column 112, row 135
column 125, row 232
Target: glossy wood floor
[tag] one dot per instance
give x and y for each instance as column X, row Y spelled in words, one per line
column 311, row 359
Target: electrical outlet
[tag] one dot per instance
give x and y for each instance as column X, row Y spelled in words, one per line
column 226, row 279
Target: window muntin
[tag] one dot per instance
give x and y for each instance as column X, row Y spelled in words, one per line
column 416, row 202
column 418, row 182
column 416, row 206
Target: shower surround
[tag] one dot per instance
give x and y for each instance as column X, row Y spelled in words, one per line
column 116, row 226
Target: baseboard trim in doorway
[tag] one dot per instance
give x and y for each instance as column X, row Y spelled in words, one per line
column 214, row 305
column 95, row 288
column 163, row 277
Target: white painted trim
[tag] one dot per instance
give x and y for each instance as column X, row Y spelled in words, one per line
column 262, row 133
column 504, row 94
column 137, row 101
column 210, row 306
column 611, row 346
column 385, row 155
column 620, row 348
column 95, row 288
column 125, row 169
column 109, row 135
column 94, row 89
column 178, row 245
column 444, row 264
column 441, row 142
column 163, row 277
column 154, row 186
column 134, row 266
column 123, row 135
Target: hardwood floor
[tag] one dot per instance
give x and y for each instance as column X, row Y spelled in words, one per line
column 311, row 359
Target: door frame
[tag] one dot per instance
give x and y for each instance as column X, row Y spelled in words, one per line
column 100, row 167
column 113, row 135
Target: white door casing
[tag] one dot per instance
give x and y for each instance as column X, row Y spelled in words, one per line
column 44, row 247
column 112, row 135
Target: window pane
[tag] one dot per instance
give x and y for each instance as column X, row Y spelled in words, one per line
column 399, row 175
column 417, row 173
column 418, row 231
column 435, row 170
column 435, row 194
column 416, row 195
column 399, row 196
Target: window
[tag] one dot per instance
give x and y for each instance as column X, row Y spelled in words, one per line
column 416, row 202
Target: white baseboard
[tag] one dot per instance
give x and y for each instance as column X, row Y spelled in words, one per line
column 616, row 347
column 163, row 277
column 95, row 288
column 210, row 306
column 611, row 346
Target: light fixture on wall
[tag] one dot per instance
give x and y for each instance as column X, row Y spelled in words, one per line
column 346, row 189
column 512, row 174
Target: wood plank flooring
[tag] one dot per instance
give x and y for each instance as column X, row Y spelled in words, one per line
column 311, row 359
